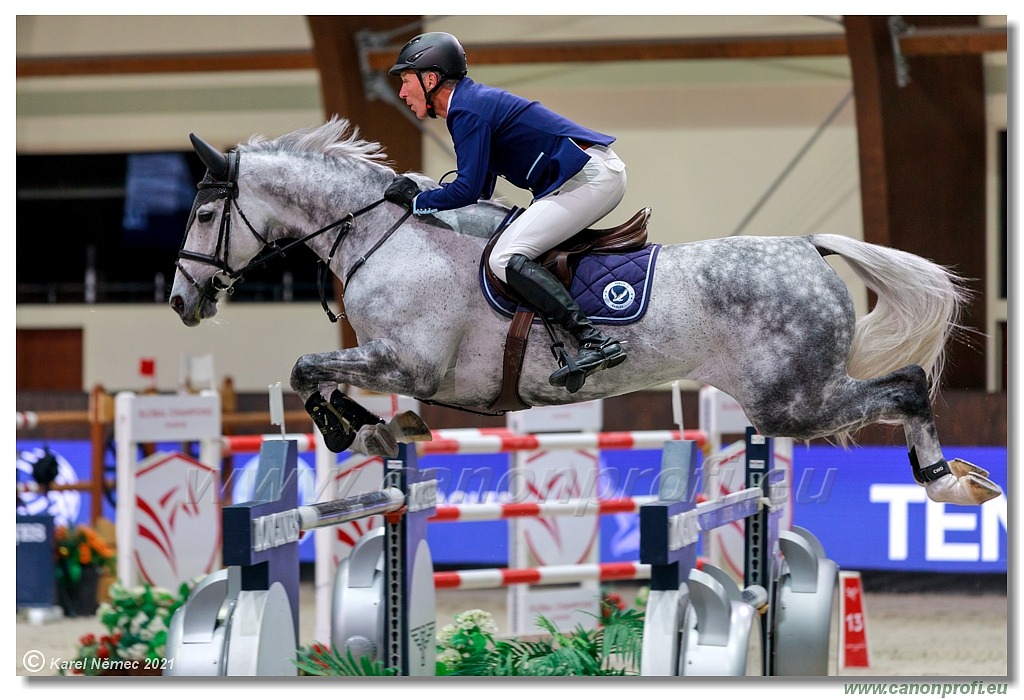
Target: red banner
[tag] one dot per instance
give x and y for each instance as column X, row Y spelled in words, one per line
column 854, row 647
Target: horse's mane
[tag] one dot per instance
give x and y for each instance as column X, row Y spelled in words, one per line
column 337, row 137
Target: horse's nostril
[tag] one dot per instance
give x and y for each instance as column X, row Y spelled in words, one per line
column 177, row 303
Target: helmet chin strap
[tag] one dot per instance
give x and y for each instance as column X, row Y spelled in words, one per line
column 428, row 95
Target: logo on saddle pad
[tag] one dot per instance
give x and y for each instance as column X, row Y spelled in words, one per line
column 618, row 295
column 612, row 289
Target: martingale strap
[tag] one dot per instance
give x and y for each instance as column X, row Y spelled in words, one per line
column 363, row 258
column 324, row 268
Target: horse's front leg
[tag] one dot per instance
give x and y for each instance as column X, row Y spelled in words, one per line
column 343, row 422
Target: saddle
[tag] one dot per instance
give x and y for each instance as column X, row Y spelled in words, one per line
column 562, row 262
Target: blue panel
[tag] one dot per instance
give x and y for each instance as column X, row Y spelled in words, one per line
column 34, row 566
column 464, row 479
column 74, row 459
column 868, row 513
column 626, row 473
column 861, row 503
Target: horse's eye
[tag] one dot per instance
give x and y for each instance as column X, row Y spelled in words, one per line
column 205, row 217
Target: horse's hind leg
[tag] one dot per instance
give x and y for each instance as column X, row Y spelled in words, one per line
column 958, row 482
column 901, row 396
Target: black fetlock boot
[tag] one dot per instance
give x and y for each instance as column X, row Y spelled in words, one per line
column 339, row 419
column 542, row 290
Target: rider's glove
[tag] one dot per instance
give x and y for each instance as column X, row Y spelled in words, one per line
column 402, row 191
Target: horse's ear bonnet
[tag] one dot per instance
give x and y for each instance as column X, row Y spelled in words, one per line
column 215, row 161
column 218, row 181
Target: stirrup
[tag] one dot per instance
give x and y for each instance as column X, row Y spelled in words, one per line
column 568, row 373
column 574, row 372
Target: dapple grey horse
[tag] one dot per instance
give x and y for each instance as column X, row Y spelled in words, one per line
column 765, row 319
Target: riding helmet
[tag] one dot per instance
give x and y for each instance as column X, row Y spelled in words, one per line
column 433, row 51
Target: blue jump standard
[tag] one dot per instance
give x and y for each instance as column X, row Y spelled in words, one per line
column 261, row 537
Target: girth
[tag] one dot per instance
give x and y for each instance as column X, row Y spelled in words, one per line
column 562, row 262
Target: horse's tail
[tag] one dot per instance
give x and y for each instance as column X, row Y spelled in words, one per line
column 919, row 307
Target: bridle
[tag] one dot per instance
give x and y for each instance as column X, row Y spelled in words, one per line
column 223, row 280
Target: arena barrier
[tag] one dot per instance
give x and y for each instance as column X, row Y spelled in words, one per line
column 698, row 622
column 100, row 416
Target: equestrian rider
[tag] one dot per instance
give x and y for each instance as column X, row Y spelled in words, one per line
column 574, row 176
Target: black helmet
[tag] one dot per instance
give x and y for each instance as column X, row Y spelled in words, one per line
column 433, row 51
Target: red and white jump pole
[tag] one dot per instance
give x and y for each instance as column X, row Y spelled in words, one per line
column 502, row 511
column 542, row 575
column 457, row 441
column 488, row 442
column 250, row 444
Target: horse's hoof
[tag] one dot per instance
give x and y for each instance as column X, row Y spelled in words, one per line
column 970, row 489
column 409, row 427
column 376, row 441
column 962, row 468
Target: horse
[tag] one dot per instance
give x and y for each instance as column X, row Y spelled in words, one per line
column 767, row 320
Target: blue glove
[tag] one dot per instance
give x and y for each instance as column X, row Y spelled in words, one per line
column 402, row 191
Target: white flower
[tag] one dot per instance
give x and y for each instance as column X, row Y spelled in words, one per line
column 449, row 657
column 136, row 651
column 477, row 618
column 138, row 622
column 444, row 637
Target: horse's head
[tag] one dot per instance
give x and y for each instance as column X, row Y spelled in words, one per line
column 211, row 259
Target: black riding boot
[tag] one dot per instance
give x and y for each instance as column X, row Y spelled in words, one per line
column 542, row 290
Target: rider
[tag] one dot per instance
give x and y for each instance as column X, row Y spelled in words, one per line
column 574, row 176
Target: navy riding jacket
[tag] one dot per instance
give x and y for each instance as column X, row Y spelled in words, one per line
column 498, row 133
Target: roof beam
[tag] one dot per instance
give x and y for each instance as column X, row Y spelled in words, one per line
column 953, row 41
column 148, row 64
column 930, row 41
column 639, row 50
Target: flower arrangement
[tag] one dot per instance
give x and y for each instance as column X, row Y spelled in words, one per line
column 136, row 621
column 320, row 660
column 612, row 603
column 470, row 647
column 80, row 547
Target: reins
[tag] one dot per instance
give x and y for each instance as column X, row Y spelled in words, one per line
column 219, row 258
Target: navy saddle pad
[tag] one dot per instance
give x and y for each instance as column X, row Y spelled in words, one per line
column 612, row 289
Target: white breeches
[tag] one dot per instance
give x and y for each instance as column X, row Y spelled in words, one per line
column 582, row 200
